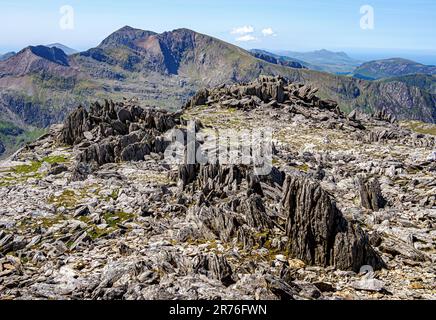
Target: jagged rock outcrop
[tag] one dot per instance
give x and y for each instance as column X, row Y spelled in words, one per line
column 235, row 212
column 384, row 115
column 285, row 291
column 400, row 135
column 265, row 90
column 116, row 132
column 187, row 174
column 382, row 135
column 254, row 210
column 113, row 119
column 200, row 98
column 76, row 124
column 211, row 177
column 318, row 233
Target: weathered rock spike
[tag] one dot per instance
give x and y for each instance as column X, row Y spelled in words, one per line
column 318, row 233
column 370, row 194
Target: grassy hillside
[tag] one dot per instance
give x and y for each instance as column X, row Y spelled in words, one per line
column 422, row 81
column 388, row 68
column 12, row 136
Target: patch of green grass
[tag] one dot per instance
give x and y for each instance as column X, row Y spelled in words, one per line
column 71, row 198
column 67, row 199
column 4, row 184
column 304, row 167
column 51, row 221
column 96, row 233
column 27, row 169
column 113, row 195
column 113, row 219
column 420, row 127
column 6, row 181
column 34, row 166
column 22, row 173
column 55, row 159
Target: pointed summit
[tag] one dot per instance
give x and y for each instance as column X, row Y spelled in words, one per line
column 36, row 59
column 126, row 28
column 54, row 54
column 126, row 36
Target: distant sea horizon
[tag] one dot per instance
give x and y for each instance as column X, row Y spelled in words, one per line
column 424, row 57
column 427, row 57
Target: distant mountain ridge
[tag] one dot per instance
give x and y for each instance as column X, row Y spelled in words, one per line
column 277, row 59
column 40, row 85
column 394, row 67
column 7, row 55
column 69, row 51
column 324, row 60
column 34, row 59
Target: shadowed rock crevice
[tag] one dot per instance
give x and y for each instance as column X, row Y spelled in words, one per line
column 214, row 266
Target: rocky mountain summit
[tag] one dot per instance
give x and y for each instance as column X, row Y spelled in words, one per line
column 94, row 209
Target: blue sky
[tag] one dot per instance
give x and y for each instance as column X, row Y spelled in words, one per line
column 402, row 26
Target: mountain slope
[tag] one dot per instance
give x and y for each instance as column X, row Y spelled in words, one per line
column 422, row 81
column 324, row 60
column 33, row 59
column 182, row 52
column 40, row 85
column 406, row 102
column 35, row 83
column 395, row 67
column 37, row 86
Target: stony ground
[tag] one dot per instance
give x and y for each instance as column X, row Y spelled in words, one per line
column 126, row 231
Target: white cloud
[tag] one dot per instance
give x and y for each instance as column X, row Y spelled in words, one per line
column 242, row 30
column 246, row 38
column 268, row 32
